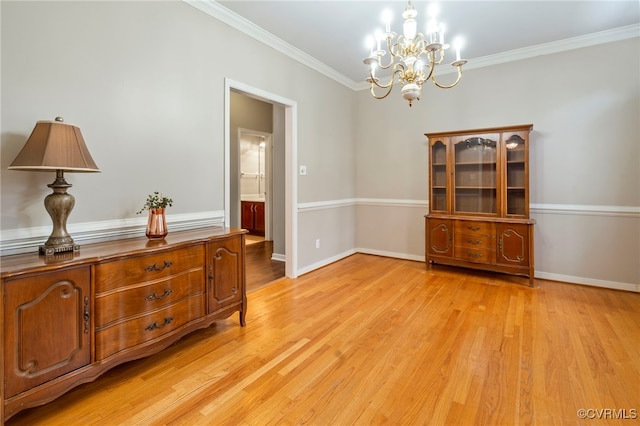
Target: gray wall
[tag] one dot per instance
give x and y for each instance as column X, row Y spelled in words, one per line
column 145, row 83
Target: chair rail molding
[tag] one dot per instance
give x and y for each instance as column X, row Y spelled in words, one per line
column 23, row 240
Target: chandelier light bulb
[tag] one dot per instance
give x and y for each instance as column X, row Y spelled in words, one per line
column 379, row 37
column 386, row 18
column 433, row 10
column 369, row 42
column 458, row 42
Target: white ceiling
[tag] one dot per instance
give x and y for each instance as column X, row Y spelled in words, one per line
column 333, row 32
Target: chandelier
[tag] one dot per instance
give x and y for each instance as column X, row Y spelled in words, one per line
column 412, row 56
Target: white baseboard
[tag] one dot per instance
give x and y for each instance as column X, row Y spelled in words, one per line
column 391, row 254
column 588, row 281
column 538, row 274
column 278, row 257
column 325, row 262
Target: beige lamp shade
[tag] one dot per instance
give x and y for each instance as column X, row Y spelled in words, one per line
column 55, row 145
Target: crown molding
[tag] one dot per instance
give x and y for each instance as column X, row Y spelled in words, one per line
column 216, row 10
column 559, row 46
column 24, row 240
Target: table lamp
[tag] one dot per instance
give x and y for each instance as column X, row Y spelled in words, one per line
column 56, row 145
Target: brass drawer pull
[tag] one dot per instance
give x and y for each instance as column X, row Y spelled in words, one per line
column 155, row 325
column 154, row 267
column 473, row 228
column 475, row 255
column 476, row 242
column 86, row 315
column 154, row 296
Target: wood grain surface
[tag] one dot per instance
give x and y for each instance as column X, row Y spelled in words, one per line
column 372, row 340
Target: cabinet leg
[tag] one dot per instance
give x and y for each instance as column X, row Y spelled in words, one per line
column 243, row 321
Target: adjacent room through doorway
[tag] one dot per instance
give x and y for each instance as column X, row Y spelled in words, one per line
column 257, row 184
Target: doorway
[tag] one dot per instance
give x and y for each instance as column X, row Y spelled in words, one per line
column 255, row 152
column 283, row 212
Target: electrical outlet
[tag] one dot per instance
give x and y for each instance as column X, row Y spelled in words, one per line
column 318, row 243
column 303, row 170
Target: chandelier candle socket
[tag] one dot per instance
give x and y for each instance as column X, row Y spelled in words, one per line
column 412, row 55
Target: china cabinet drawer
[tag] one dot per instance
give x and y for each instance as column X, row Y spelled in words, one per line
column 133, row 300
column 470, row 227
column 475, row 255
column 138, row 330
column 475, row 241
column 119, row 273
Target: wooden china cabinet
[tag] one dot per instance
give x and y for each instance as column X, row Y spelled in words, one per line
column 479, row 200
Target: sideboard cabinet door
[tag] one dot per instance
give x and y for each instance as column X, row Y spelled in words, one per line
column 46, row 327
column 513, row 244
column 440, row 237
column 225, row 264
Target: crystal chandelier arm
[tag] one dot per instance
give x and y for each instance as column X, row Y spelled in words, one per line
column 444, row 86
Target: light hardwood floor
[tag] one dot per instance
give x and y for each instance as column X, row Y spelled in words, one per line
column 260, row 269
column 371, row 340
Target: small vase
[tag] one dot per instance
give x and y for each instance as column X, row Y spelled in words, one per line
column 157, row 224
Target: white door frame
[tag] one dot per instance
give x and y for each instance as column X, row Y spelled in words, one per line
column 291, row 178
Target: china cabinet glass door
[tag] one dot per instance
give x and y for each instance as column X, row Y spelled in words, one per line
column 516, row 175
column 475, row 175
column 438, row 201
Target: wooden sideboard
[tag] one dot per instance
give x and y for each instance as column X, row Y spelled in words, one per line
column 70, row 317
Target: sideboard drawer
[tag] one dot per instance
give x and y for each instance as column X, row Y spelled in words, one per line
column 471, row 227
column 138, row 330
column 118, row 273
column 113, row 306
column 475, row 241
column 475, row 255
